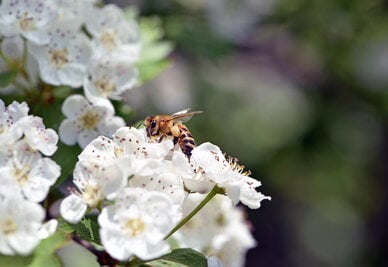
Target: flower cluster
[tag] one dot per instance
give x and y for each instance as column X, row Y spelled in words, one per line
column 130, row 170
column 144, row 190
column 219, row 229
column 66, row 55
column 26, row 178
column 71, row 43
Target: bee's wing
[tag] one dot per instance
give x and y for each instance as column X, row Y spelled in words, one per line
column 184, row 115
column 183, row 111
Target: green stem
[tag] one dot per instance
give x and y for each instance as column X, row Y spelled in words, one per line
column 216, row 190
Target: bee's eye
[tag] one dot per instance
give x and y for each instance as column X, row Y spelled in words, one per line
column 153, row 124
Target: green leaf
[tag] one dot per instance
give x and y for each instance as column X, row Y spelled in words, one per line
column 62, row 91
column 15, row 261
column 154, row 50
column 87, row 229
column 181, row 257
column 7, row 77
column 65, row 227
column 45, row 260
column 44, row 254
column 148, row 71
column 151, row 29
column 51, row 244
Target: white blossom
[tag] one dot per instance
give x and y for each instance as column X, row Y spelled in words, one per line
column 86, row 121
column 11, row 121
column 127, row 143
column 227, row 174
column 137, row 223
column 30, row 18
column 199, row 232
column 25, row 169
column 15, row 123
column 38, row 137
column 95, row 183
column 233, row 250
column 143, row 162
column 20, row 222
column 64, row 60
column 219, row 229
column 113, row 34
column 109, row 78
column 192, row 176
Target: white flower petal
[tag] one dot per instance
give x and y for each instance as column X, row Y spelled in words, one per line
column 198, row 186
column 214, row 261
column 233, row 190
column 35, row 190
column 48, row 73
column 113, row 179
column 73, row 208
column 113, row 239
column 153, row 251
column 4, row 246
column 68, row 132
column 73, row 105
column 110, row 126
column 48, row 229
column 38, row 137
column 251, row 198
column 72, row 76
column 23, row 242
column 86, row 136
column 209, row 157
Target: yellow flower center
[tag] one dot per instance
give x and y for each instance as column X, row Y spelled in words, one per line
column 59, row 57
column 104, row 86
column 26, row 23
column 92, row 195
column 8, row 226
column 21, row 174
column 89, row 120
column 108, row 39
column 134, row 227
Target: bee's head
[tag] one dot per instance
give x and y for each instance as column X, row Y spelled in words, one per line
column 151, row 125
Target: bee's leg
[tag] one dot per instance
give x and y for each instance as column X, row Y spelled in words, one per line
column 175, row 140
column 160, row 139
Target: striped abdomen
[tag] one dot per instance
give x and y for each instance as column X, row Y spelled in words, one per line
column 185, row 140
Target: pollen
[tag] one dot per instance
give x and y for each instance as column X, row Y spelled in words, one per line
column 233, row 163
column 26, row 23
column 59, row 57
column 134, row 227
column 8, row 226
column 89, row 120
column 92, row 195
column 104, row 86
column 21, row 174
column 108, row 39
column 119, row 152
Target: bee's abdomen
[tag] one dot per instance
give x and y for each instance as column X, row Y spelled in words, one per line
column 186, row 140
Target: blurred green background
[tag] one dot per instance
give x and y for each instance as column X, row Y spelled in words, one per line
column 297, row 90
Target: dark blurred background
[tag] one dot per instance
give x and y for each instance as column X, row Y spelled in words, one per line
column 298, row 91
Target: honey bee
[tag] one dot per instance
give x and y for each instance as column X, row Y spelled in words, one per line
column 162, row 126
